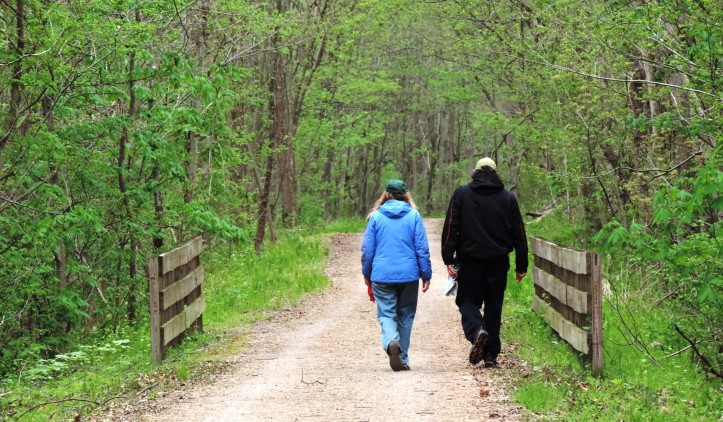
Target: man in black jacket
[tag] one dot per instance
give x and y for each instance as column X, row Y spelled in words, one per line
column 482, row 226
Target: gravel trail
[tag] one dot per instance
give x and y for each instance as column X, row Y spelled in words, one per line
column 323, row 361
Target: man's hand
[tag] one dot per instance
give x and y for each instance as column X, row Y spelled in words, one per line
column 425, row 286
column 451, row 271
column 519, row 276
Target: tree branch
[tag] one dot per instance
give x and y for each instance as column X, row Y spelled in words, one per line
column 705, row 360
column 56, row 402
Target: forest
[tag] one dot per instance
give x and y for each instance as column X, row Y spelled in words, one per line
column 131, row 126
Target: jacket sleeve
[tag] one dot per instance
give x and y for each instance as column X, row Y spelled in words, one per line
column 369, row 246
column 519, row 238
column 450, row 231
column 421, row 246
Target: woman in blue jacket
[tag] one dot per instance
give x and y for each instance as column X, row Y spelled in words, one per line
column 395, row 255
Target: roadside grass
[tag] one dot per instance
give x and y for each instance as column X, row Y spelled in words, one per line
column 342, row 225
column 107, row 369
column 556, row 384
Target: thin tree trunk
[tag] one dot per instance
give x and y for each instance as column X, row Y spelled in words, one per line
column 193, row 137
column 15, row 84
column 325, row 183
column 60, row 256
column 344, row 181
column 276, row 133
column 303, row 79
column 263, row 212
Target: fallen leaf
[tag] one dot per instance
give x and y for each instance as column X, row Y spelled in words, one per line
column 484, row 393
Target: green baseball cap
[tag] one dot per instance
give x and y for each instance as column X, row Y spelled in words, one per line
column 396, row 186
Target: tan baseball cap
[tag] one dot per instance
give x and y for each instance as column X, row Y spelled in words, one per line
column 487, row 161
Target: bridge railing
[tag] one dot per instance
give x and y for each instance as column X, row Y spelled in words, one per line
column 177, row 303
column 568, row 294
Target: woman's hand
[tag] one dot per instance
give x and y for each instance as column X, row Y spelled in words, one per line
column 425, row 286
column 368, row 282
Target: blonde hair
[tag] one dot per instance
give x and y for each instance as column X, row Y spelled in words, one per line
column 406, row 197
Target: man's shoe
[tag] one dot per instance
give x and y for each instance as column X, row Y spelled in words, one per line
column 405, row 367
column 490, row 363
column 478, row 347
column 395, row 361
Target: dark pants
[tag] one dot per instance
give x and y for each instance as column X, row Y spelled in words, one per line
column 483, row 282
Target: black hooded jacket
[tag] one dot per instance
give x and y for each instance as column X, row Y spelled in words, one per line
column 483, row 221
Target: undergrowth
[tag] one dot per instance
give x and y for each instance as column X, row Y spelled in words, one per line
column 110, row 368
column 649, row 374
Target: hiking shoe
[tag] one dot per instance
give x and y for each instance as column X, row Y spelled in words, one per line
column 395, row 361
column 478, row 347
column 490, row 363
column 405, row 367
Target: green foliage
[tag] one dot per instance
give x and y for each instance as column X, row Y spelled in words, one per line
column 649, row 373
column 540, row 398
column 123, row 130
column 342, row 225
column 241, row 287
column 94, row 171
column 65, row 363
column 681, row 252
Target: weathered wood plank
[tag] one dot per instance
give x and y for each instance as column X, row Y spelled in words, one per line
column 181, row 255
column 597, row 332
column 574, row 335
column 566, row 294
column 156, row 339
column 183, row 320
column 572, row 260
column 182, row 287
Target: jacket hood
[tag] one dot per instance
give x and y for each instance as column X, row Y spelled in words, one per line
column 486, row 182
column 395, row 209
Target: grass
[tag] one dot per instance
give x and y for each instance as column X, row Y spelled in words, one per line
column 342, row 225
column 240, row 287
column 540, row 397
column 243, row 287
column 634, row 388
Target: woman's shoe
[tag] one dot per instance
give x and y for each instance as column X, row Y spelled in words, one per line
column 395, row 361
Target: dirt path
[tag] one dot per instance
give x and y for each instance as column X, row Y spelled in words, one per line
column 323, row 362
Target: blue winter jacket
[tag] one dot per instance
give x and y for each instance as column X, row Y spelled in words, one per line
column 395, row 248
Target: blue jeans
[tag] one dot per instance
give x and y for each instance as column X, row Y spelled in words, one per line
column 396, row 307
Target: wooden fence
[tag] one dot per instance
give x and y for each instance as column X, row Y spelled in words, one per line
column 568, row 294
column 177, row 303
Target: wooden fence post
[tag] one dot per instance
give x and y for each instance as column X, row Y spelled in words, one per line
column 154, row 288
column 597, row 332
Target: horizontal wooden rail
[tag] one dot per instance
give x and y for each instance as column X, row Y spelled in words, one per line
column 179, row 323
column 181, row 255
column 576, row 336
column 574, row 298
column 182, row 288
column 568, row 259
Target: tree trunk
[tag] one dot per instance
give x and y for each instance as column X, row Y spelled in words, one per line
column 276, row 133
column 325, row 183
column 15, row 84
column 193, row 137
